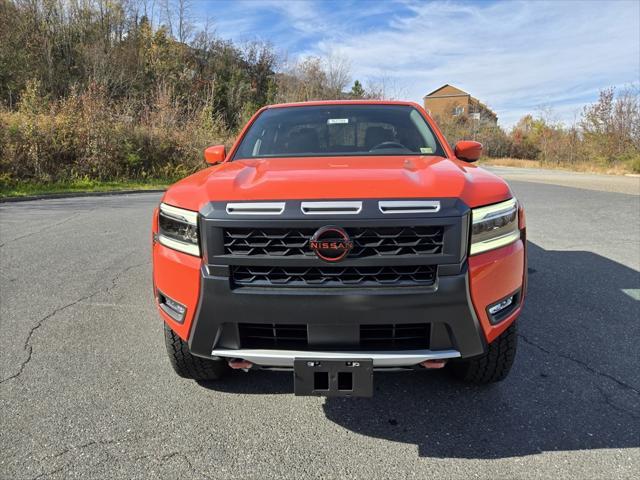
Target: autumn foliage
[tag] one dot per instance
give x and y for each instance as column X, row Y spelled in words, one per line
column 606, row 135
column 106, row 90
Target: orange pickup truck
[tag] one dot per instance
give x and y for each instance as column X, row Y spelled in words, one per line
column 337, row 239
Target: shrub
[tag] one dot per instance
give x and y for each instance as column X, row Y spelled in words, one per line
column 84, row 136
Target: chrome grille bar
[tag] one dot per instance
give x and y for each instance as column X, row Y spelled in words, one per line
column 255, row 208
column 409, row 206
column 331, row 208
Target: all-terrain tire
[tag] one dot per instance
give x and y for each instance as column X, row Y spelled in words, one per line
column 494, row 365
column 187, row 365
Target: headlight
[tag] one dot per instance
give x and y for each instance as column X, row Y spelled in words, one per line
column 494, row 226
column 178, row 229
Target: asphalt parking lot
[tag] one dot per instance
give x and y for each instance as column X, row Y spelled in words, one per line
column 86, row 390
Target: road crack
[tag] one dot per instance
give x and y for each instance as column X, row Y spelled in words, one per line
column 584, row 365
column 52, row 472
column 79, row 447
column 46, row 227
column 183, row 456
column 609, row 401
column 27, row 344
column 88, row 444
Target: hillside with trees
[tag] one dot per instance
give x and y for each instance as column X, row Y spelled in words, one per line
column 130, row 89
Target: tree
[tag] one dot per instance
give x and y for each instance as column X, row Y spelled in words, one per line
column 357, row 91
column 611, row 126
column 337, row 73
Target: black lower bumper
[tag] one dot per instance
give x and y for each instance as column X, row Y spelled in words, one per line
column 334, row 317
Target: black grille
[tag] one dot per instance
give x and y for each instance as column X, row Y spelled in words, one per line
column 420, row 275
column 395, row 335
column 372, row 337
column 368, row 242
column 268, row 335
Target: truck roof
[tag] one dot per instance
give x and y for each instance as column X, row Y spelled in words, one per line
column 314, row 103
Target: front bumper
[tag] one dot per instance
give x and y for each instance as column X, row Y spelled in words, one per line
column 384, row 359
column 333, row 319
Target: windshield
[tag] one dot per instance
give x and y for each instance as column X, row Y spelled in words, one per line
column 335, row 130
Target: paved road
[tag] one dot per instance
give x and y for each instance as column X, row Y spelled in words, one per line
column 87, row 392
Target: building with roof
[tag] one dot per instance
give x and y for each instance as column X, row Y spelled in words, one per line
column 449, row 102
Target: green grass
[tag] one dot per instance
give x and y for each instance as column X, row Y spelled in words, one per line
column 22, row 189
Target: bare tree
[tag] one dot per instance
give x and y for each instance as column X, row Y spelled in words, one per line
column 149, row 11
column 185, row 25
column 167, row 15
column 176, row 15
column 384, row 86
column 337, row 69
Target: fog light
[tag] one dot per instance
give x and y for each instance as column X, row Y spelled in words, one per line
column 498, row 307
column 172, row 308
column 499, row 311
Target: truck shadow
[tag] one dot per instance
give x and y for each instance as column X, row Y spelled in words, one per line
column 575, row 384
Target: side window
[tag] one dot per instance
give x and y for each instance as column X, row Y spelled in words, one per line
column 258, row 143
column 458, row 110
column 427, row 141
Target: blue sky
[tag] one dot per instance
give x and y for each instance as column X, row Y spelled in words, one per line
column 518, row 57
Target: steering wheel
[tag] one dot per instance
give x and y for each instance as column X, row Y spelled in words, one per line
column 384, row 145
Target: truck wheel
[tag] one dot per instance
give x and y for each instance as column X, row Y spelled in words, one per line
column 187, row 365
column 492, row 366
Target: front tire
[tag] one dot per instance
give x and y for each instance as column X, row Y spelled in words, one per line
column 492, row 366
column 187, row 365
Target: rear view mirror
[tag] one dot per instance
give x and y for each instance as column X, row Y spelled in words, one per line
column 468, row 151
column 215, row 154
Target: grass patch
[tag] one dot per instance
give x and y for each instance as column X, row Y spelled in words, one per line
column 23, row 189
column 585, row 167
column 510, row 162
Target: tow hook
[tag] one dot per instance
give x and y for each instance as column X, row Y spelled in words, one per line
column 239, row 364
column 433, row 364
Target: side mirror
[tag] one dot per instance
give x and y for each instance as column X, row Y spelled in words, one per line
column 468, row 151
column 215, row 154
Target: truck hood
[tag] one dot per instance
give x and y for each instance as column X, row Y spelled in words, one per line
column 339, row 178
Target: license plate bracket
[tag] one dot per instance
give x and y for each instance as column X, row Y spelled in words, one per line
column 333, row 378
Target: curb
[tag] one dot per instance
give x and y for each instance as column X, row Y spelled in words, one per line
column 52, row 196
